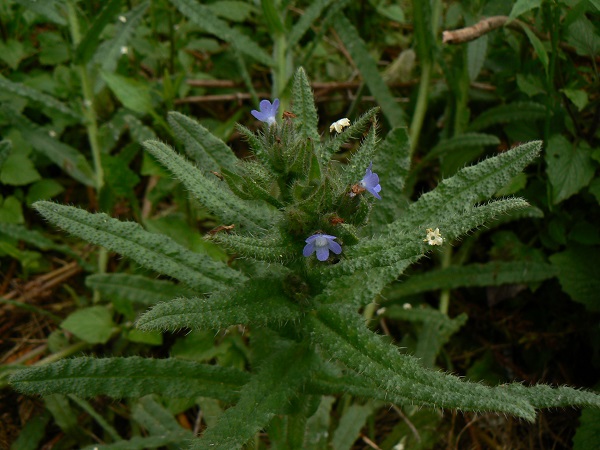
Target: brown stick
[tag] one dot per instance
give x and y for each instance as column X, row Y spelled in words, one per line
column 473, row 32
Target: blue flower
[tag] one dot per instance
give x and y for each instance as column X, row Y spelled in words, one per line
column 267, row 111
column 370, row 182
column 322, row 244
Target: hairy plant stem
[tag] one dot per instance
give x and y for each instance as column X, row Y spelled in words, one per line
column 445, row 294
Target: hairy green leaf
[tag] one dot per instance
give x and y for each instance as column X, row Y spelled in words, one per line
column 213, row 194
column 153, row 251
column 303, row 106
column 130, row 377
column 277, row 382
column 50, row 9
column 512, row 112
column 208, row 151
column 494, row 273
column 258, row 301
column 270, row 249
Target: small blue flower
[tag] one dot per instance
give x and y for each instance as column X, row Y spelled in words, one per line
column 267, row 111
column 322, row 244
column 370, row 182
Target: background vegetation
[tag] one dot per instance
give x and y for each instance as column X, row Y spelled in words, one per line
column 83, row 84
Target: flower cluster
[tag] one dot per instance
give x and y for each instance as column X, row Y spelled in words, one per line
column 339, row 125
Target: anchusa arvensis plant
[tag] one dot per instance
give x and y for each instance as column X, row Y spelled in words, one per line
column 313, row 242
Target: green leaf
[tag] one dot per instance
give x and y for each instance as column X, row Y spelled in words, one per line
column 212, row 194
column 38, row 98
column 538, row 46
column 43, row 190
column 579, row 275
column 569, row 167
column 277, row 382
column 512, row 112
column 579, row 97
column 368, row 68
column 206, row 19
column 153, row 251
column 259, row 301
column 18, row 170
column 89, row 43
column 135, row 288
column 12, row 52
column 93, row 325
column 208, row 151
column 130, row 377
column 5, row 149
column 313, row 12
column 158, row 420
column 32, row 433
column 343, row 334
column 50, row 9
column 270, row 248
column 11, row 211
column 494, row 273
column 476, row 53
column 522, row 6
column 352, row 421
column 588, row 431
column 460, row 142
column 133, row 94
column 303, row 106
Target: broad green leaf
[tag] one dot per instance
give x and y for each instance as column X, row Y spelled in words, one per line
column 579, row 274
column 582, row 35
column 494, row 273
column 206, row 19
column 131, row 377
column 157, row 420
column 368, row 69
column 12, row 52
column 93, row 325
column 579, row 97
column 43, row 190
column 538, row 46
column 18, row 170
column 569, row 167
column 5, row 149
column 38, row 98
column 153, row 251
column 512, row 112
column 11, row 210
column 588, row 432
column 211, row 193
column 208, row 151
column 133, row 94
column 460, row 142
column 476, row 53
column 259, row 301
column 135, row 288
column 522, row 6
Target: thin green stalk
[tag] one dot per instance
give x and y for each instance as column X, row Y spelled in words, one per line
column 421, row 106
column 280, row 76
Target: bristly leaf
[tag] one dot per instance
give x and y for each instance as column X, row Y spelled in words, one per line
column 469, row 185
column 259, row 301
column 354, row 131
column 354, row 171
column 214, row 195
column 208, row 151
column 131, row 377
column 271, row 248
column 512, row 112
column 495, row 273
column 368, row 69
column 277, row 383
column 303, row 106
column 343, row 335
column 206, row 19
column 153, row 251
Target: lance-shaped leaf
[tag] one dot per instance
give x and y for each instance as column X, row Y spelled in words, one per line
column 135, row 288
column 153, row 251
column 258, row 301
column 270, row 248
column 303, row 106
column 354, row 131
column 495, row 273
column 512, row 112
column 206, row 19
column 131, row 377
column 342, row 334
column 280, row 378
column 38, row 98
column 544, row 396
column 469, row 185
column 207, row 150
column 213, row 194
column 354, row 171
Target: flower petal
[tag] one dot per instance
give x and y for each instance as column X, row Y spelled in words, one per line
column 308, row 249
column 322, row 253
column 335, row 247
